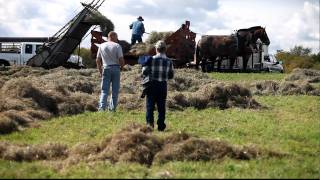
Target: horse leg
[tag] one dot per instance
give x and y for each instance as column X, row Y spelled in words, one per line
column 232, row 61
column 219, row 64
column 197, row 57
column 204, row 64
column 245, row 62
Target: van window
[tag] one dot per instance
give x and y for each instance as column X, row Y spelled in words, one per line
column 28, row 49
column 38, row 48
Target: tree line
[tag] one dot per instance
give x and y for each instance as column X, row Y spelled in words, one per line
column 299, row 57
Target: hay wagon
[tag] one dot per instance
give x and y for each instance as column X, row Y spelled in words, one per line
column 181, row 47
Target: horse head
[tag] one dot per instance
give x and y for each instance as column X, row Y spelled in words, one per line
column 260, row 33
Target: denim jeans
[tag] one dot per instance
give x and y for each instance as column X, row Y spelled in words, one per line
column 134, row 38
column 111, row 77
column 157, row 94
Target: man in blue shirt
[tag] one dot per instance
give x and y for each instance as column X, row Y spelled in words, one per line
column 137, row 30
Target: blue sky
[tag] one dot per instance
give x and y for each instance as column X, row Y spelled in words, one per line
column 288, row 22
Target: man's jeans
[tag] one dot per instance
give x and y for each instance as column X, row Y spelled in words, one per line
column 136, row 37
column 157, row 94
column 111, row 76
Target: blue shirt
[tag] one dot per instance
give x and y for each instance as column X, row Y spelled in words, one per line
column 137, row 28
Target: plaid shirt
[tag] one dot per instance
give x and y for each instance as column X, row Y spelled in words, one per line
column 160, row 68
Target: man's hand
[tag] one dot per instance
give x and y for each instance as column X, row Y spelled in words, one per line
column 122, row 62
column 99, row 66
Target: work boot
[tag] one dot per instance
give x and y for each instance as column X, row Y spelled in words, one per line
column 162, row 127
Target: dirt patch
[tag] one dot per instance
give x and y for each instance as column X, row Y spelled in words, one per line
column 136, row 144
column 309, row 75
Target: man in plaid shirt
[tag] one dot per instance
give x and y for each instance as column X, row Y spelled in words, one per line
column 158, row 70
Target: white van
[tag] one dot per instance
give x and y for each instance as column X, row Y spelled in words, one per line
column 20, row 53
column 271, row 64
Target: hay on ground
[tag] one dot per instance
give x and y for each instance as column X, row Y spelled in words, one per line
column 132, row 146
column 7, row 125
column 309, row 75
column 136, row 144
column 21, row 153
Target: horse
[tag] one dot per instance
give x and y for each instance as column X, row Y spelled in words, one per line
column 242, row 43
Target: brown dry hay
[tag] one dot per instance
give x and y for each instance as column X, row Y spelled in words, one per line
column 140, row 49
column 23, row 88
column 214, row 95
column 19, row 117
column 21, row 153
column 66, row 92
column 154, row 37
column 54, row 92
column 145, row 48
column 7, row 125
column 309, row 75
column 2, row 81
column 132, row 144
column 265, row 88
column 136, row 144
column 284, row 88
column 38, row 114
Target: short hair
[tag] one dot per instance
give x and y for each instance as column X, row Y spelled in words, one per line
column 112, row 34
column 161, row 46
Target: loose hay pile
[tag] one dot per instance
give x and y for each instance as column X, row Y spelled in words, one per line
column 136, row 144
column 284, row 88
column 145, row 48
column 31, row 94
column 309, row 75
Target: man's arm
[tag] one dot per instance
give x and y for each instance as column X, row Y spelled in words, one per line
column 99, row 65
column 171, row 71
column 121, row 62
column 99, row 61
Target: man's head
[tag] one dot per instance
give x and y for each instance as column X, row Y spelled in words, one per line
column 113, row 36
column 161, row 47
column 140, row 18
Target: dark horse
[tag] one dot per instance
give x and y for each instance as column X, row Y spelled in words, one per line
column 243, row 44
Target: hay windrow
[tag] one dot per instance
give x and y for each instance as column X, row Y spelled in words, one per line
column 27, row 153
column 135, row 144
column 284, row 88
column 309, row 75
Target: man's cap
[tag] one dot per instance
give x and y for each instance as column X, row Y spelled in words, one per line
column 140, row 18
column 160, row 44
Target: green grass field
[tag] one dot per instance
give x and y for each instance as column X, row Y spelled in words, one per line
column 290, row 124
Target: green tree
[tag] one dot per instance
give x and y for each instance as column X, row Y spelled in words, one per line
column 300, row 51
column 299, row 57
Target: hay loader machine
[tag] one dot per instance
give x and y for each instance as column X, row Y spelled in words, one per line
column 59, row 48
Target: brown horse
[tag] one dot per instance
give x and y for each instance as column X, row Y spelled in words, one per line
column 243, row 44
